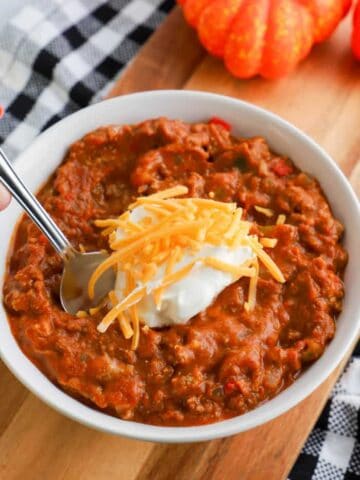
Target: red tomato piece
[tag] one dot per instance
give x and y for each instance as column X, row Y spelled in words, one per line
column 42, row 239
column 220, row 121
column 230, row 387
column 281, row 168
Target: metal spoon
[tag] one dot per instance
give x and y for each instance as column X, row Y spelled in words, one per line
column 78, row 267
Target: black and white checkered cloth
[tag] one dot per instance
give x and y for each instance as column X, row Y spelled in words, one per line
column 57, row 56
column 332, row 452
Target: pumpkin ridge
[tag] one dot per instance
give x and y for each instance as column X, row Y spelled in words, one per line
column 266, row 39
column 215, row 24
column 193, row 10
column 232, row 23
column 327, row 15
column 307, row 22
column 283, row 46
column 310, row 10
column 243, row 50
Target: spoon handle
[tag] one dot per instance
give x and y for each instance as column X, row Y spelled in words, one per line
column 32, row 207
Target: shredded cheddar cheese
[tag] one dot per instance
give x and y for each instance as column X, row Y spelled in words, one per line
column 237, row 271
column 169, row 193
column 268, row 242
column 265, row 211
column 281, row 219
column 168, row 229
column 250, row 304
column 125, row 326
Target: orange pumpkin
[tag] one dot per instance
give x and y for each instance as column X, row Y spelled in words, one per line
column 266, row 37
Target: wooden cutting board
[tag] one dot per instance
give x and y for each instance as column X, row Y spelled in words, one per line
column 323, row 98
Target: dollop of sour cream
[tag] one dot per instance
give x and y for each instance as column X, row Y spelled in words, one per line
column 191, row 294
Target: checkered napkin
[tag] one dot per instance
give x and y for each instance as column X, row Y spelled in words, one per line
column 332, row 451
column 57, row 56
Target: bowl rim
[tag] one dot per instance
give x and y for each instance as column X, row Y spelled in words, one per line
column 104, row 422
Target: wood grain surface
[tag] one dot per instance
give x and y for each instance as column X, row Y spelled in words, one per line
column 323, row 98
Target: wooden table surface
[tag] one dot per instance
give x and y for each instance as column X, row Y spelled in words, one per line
column 323, row 98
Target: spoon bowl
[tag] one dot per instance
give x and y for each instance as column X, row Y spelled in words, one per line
column 75, row 278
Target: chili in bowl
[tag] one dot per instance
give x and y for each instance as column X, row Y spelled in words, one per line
column 230, row 302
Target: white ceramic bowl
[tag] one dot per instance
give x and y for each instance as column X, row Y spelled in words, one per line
column 37, row 163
